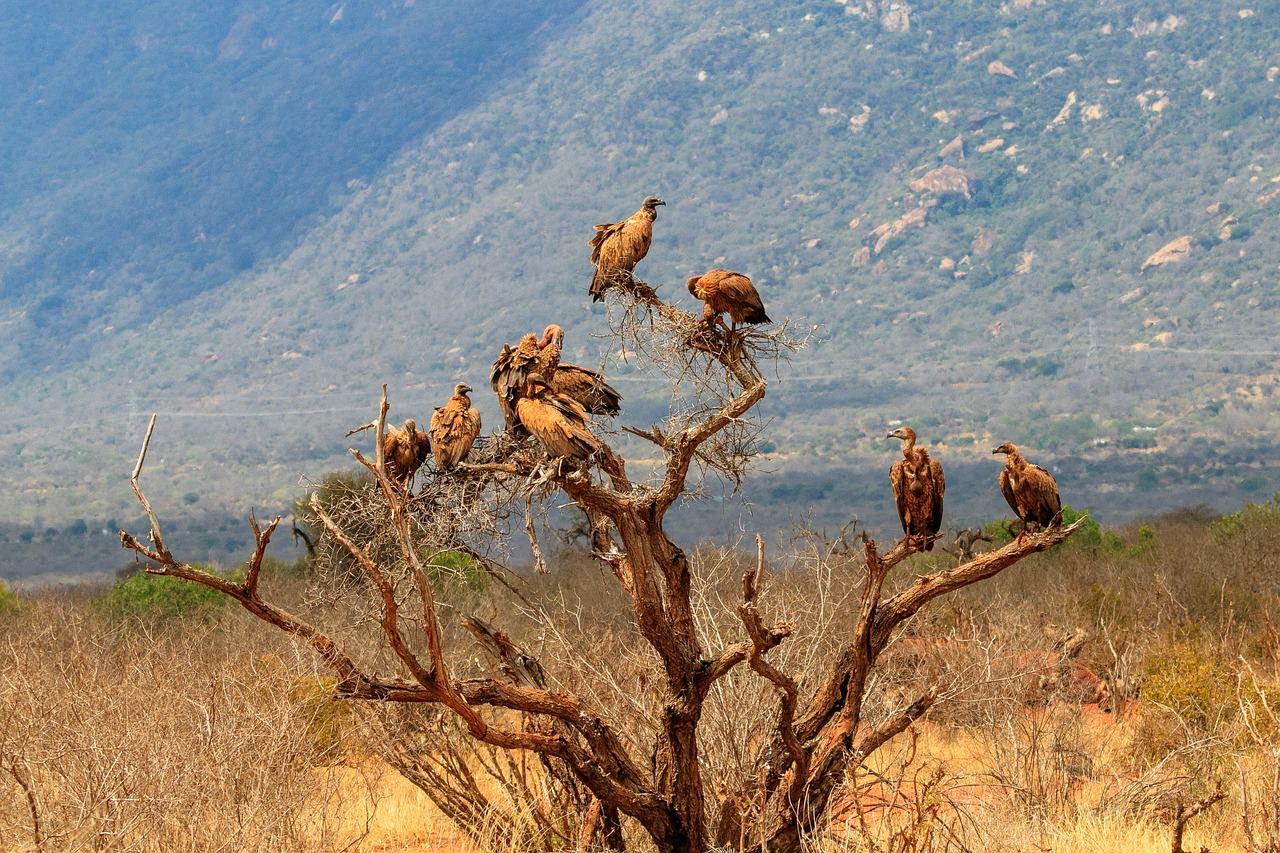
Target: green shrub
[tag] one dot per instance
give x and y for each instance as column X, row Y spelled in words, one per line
column 1253, row 517
column 8, row 601
column 1090, row 535
column 327, row 719
column 1191, row 682
column 457, row 567
column 153, row 598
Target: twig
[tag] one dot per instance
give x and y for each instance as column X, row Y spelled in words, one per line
column 1186, row 812
column 22, row 776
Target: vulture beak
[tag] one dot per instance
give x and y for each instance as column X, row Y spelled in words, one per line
column 661, row 202
column 998, row 450
column 465, row 389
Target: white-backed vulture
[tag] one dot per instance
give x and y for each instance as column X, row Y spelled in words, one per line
column 454, row 428
column 918, row 487
column 727, row 292
column 404, row 451
column 1031, row 491
column 514, row 364
column 618, row 246
column 557, row 421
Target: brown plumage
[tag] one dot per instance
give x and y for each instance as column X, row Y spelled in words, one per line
column 454, row 428
column 588, row 388
column 619, row 246
column 404, row 451
column 918, row 487
column 558, row 422
column 726, row 292
column 1031, row 491
column 514, row 364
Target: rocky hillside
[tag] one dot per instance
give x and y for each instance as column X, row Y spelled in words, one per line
column 1034, row 221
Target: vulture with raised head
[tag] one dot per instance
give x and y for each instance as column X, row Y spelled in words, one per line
column 558, row 422
column 454, row 428
column 1031, row 491
column 404, row 451
column 619, row 246
column 726, row 292
column 918, row 487
column 514, row 364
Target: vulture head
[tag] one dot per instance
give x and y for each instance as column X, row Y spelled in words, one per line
column 461, row 388
column 553, row 334
column 1008, row 448
column 693, row 284
column 534, row 385
column 651, row 202
column 907, row 434
column 410, row 427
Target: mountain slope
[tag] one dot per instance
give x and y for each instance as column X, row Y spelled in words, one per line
column 154, row 150
column 782, row 136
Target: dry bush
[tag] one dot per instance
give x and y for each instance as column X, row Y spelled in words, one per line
column 168, row 738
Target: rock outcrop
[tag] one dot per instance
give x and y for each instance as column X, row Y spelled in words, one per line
column 943, row 180
column 882, row 234
column 1170, row 253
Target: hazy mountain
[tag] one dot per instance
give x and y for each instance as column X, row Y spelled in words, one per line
column 961, row 197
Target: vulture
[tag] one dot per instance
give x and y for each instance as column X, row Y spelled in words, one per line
column 729, row 293
column 619, row 246
column 1031, row 491
column 454, row 427
column 918, row 486
column 512, row 369
column 558, row 422
column 404, row 451
column 542, row 356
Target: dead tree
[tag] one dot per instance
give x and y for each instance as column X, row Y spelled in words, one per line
column 716, row 381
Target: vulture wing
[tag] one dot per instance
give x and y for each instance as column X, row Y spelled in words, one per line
column 513, row 366
column 454, row 428
column 740, row 299
column 588, row 388
column 897, row 479
column 1006, row 489
column 1041, row 496
column 559, row 424
column 939, row 487
column 616, row 249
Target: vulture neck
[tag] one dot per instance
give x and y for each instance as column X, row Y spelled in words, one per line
column 909, row 448
column 1015, row 462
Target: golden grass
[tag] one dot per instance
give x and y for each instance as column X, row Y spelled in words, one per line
column 376, row 809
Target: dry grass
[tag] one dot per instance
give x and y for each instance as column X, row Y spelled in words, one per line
column 215, row 734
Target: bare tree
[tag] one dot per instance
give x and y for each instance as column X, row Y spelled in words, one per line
column 716, row 381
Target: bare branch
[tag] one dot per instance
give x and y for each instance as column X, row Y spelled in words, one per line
column 1186, row 812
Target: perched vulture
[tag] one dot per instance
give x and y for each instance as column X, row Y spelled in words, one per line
column 454, row 428
column 918, row 486
column 588, row 388
column 558, row 422
column 404, row 451
column 729, row 293
column 1031, row 491
column 619, row 246
column 512, row 369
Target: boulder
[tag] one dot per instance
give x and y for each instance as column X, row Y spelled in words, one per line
column 944, row 180
column 1170, row 253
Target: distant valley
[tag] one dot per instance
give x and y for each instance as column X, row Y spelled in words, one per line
column 1050, row 224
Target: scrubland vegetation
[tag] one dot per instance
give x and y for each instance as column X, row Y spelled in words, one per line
column 146, row 717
